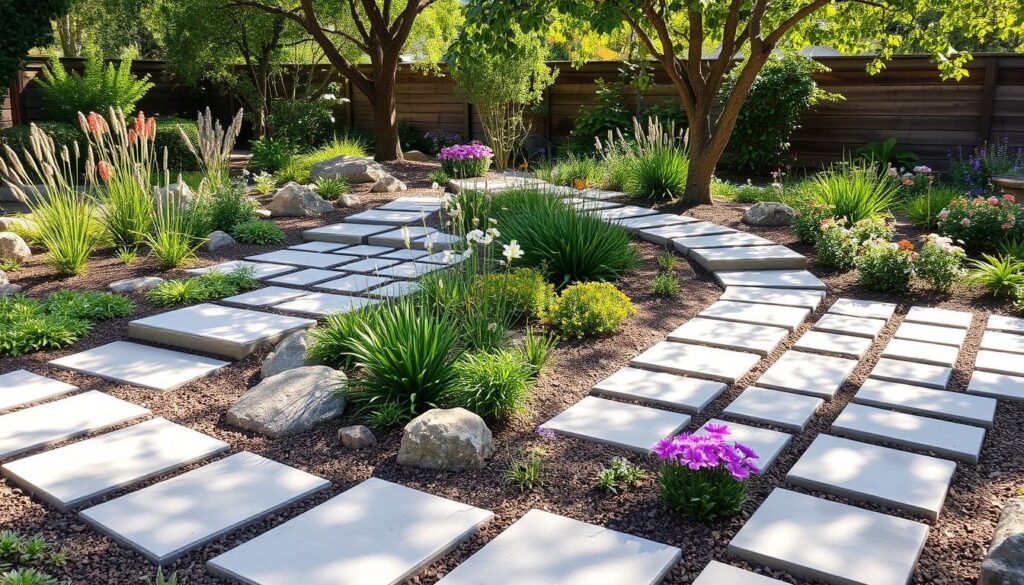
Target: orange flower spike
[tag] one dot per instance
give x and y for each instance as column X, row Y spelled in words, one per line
column 132, row 135
column 97, row 125
column 906, row 245
column 151, row 128
column 105, row 170
column 580, row 184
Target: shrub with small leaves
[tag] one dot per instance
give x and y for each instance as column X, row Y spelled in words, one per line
column 836, row 247
column 665, row 284
column 64, row 317
column 438, row 176
column 492, row 385
column 258, row 232
column 886, row 266
column 982, row 225
column 807, row 219
column 938, row 262
column 667, row 261
column 590, row 308
column 525, row 290
column 620, row 475
column 526, row 470
column 211, row 286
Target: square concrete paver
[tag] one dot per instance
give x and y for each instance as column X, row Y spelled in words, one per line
column 660, row 389
column 590, row 205
column 748, row 258
column 919, row 351
column 765, row 442
column 306, row 277
column 345, row 233
column 367, row 251
column 395, row 290
column 758, row 314
column 125, row 362
column 46, row 424
column 322, row 247
column 386, row 217
column 995, row 385
column 1004, row 323
column 847, row 325
column 226, row 331
column 785, row 410
column 625, row 212
column 22, row 387
column 831, row 542
column 444, row 257
column 729, row 240
column 957, row 406
column 663, row 235
column 915, row 373
column 760, row 339
column 377, row 533
column 322, row 304
column 628, row 426
column 844, row 345
column 808, row 299
column 874, row 474
column 697, row 360
column 369, row 265
column 303, row 259
column 261, row 270
column 263, row 297
column 353, row 283
column 717, row 573
column 1000, row 341
column 931, row 334
column 542, row 548
column 999, row 362
column 172, row 517
column 635, row 224
column 410, row 269
column 78, row 473
column 800, row 279
column 396, row 237
column 863, row 308
column 943, row 438
column 936, row 316
column 405, row 254
column 815, row 375
column 425, row 204
column 437, row 241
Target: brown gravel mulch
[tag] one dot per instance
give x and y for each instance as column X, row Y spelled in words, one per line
column 952, row 555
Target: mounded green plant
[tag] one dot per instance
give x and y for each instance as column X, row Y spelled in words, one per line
column 331, row 188
column 303, row 123
column 87, row 305
column 168, row 139
column 884, row 154
column 537, row 349
column 886, row 266
column 1000, row 275
column 225, row 208
column 270, row 155
column 923, row 210
column 854, row 191
column 61, row 319
column 939, row 262
column 210, row 286
column 98, row 88
column 299, row 168
column 667, row 261
column 589, row 309
column 836, row 247
column 492, row 385
column 665, row 284
column 526, row 471
column 258, row 231
column 23, row 560
column 438, row 176
column 983, row 225
column 526, row 291
column 620, row 475
column 659, row 173
column 572, row 169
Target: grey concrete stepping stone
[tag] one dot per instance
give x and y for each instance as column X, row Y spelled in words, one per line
column 385, row 217
column 915, row 373
column 1004, row 323
column 635, row 224
column 876, row 475
column 758, row 314
column 601, row 194
column 377, row 533
column 345, row 233
column 437, row 241
column 619, row 424
column 931, row 334
column 225, row 331
column 262, row 297
column 863, row 308
column 443, row 257
column 946, row 439
column 785, row 410
column 46, row 424
column 748, row 258
column 809, row 299
column 999, row 362
column 409, row 269
column 125, row 362
column 493, row 184
column 306, row 277
column 806, row 373
column 396, row 237
column 323, row 247
column 367, row 251
column 664, row 235
column 322, row 304
column 847, row 325
column 625, row 212
column 542, row 548
column 587, row 205
column 996, row 385
column 81, row 472
column 425, row 204
column 304, row 259
column 369, row 265
column 936, row 316
column 957, row 406
column 354, row 283
column 395, row 290
column 844, row 345
column 697, row 360
column 405, row 254
column 919, row 351
column 22, row 387
column 765, row 442
column 760, row 339
column 261, row 270
column 717, row 573
column 660, row 389
column 1000, row 341
column 170, row 518
column 831, row 542
column 728, row 240
column 800, row 279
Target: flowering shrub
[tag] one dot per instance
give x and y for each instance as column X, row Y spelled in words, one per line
column 526, row 291
column 886, row 266
column 589, row 308
column 702, row 476
column 939, row 262
column 836, row 246
column 465, row 160
column 982, row 224
column 807, row 219
column 974, row 172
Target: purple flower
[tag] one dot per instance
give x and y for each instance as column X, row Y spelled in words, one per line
column 708, row 451
column 546, row 433
column 717, row 430
column 465, row 152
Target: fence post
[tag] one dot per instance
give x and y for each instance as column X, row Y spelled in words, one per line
column 988, row 98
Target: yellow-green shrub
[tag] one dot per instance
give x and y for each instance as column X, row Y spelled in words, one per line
column 591, row 308
column 525, row 290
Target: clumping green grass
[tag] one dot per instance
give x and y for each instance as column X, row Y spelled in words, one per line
column 665, row 284
column 537, row 349
column 299, row 168
column 493, row 385
column 331, row 189
column 526, row 471
column 10, row 264
column 258, row 231
column 667, row 261
column 206, row 287
column 659, row 173
column 61, row 319
column 854, row 192
column 173, row 241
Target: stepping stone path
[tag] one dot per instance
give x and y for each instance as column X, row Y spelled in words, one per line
column 306, row 277
column 798, row 279
column 697, row 360
column 323, row 304
column 943, row 317
column 395, row 290
column 784, row 410
column 808, row 299
column 170, row 518
column 78, row 473
column 264, row 297
column 946, row 439
column 765, row 442
column 665, row 235
column 999, row 362
column 386, row 217
column 758, row 314
column 377, row 533
column 931, row 334
column 847, row 325
column 355, row 283
column 925, row 375
column 747, row 258
column 619, row 214
column 409, row 269
column 323, row 247
column 22, row 387
column 863, row 309
column 261, row 270
column 844, row 345
column 303, row 259
column 919, row 351
column 635, row 224
column 367, row 251
column 424, row 204
column 717, row 573
column 345, row 233
column 405, row 254
column 542, row 548
column 396, row 237
column 628, row 426
column 996, row 386
column 727, row 240
column 815, row 375
column 660, row 389
column 1005, row 342
column 760, row 339
column 140, row 365
column 955, row 406
column 1007, row 324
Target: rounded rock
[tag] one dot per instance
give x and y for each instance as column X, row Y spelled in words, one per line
column 769, row 213
column 13, row 247
column 452, row 439
column 295, row 200
column 289, row 354
column 356, row 437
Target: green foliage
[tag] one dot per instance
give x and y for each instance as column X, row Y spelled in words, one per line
column 87, row 305
column 160, row 579
column 1001, row 275
column 270, row 154
column 127, row 256
column 938, row 263
column 884, row 155
column 386, row 415
column 226, row 208
column 526, row 471
column 854, row 191
column 10, row 264
column 64, row 317
column 302, row 123
column 619, row 476
column 537, row 349
column 667, row 261
column 331, row 344
column 608, row 114
column 807, row 219
column 126, row 211
column 665, row 284
column 168, row 138
column 527, row 294
column 258, row 231
column 972, row 172
column 666, row 114
column 67, row 227
column 589, row 309
column 173, row 240
column 492, row 385
column 331, row 188
column 438, row 176
column 1018, row 306
column 62, row 133
column 298, row 170
column 923, row 210
column 24, row 26
column 474, row 210
column 27, row 577
column 211, row 286
column 97, row 89
column 466, row 168
column 659, row 173
column 574, row 168
column 983, row 225
column 836, row 247
column 703, row 494
column 263, row 183
column 885, row 266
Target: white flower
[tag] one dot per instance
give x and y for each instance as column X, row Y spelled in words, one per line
column 512, row 250
column 434, row 185
column 467, row 253
column 486, row 240
column 492, row 220
column 446, row 257
column 329, row 97
column 493, row 232
column 475, row 236
column 492, row 326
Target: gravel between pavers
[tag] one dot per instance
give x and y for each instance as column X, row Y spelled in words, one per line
column 952, row 555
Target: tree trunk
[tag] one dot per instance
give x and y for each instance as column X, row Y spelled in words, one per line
column 385, row 120
column 702, row 163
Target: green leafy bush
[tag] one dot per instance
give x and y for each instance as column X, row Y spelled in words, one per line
column 665, row 285
column 923, row 210
column 886, row 266
column 1001, row 275
column 211, row 286
column 608, row 113
column 620, row 475
column 331, row 188
column 270, row 155
column 835, row 247
column 303, row 123
column 983, row 225
column 168, row 136
column 438, row 176
column 492, row 385
column 64, row 317
column 658, row 173
column 574, row 168
column 226, row 208
column 87, row 305
column 97, row 89
column 884, row 155
column 589, row 309
column 854, row 191
column 465, row 160
column 526, row 292
column 22, row 559
column 972, row 172
column 939, row 261
column 257, row 231
column 299, row 168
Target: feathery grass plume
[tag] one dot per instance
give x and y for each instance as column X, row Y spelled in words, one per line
column 215, row 144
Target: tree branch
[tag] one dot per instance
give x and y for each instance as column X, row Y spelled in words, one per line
column 359, row 44
column 775, row 36
column 358, row 20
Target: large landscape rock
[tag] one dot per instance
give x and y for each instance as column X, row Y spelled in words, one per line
column 13, row 247
column 290, row 402
column 769, row 213
column 454, row 439
column 295, row 200
column 352, row 169
column 9, row 290
column 179, row 193
column 138, row 284
column 1004, row 563
column 217, row 240
column 289, row 354
column 387, row 184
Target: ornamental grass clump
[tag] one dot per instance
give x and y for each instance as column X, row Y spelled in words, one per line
column 465, row 160
column 854, row 191
column 703, row 477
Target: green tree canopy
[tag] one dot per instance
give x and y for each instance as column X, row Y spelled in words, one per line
column 24, row 25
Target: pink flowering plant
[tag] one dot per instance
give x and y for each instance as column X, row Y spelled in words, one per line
column 703, row 477
column 465, row 160
column 982, row 224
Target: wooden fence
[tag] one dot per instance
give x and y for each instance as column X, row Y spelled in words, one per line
column 907, row 100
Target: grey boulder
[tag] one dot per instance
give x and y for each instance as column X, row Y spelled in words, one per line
column 348, row 200
column 10, row 223
column 13, row 247
column 176, row 193
column 416, row 156
column 295, row 200
column 356, row 437
column 769, row 213
column 1004, row 563
column 351, row 168
column 218, row 239
column 138, row 284
column 454, row 440
column 387, row 184
column 290, row 402
column 9, row 290
column 289, row 354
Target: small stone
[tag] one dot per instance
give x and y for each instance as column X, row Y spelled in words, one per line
column 13, row 247
column 142, row 283
column 288, row 355
column 769, row 213
column 348, row 200
column 10, row 223
column 1004, row 563
column 356, row 437
column 351, row 168
column 416, row 156
column 295, row 200
column 264, row 213
column 179, row 192
column 290, row 402
column 217, row 239
column 454, row 440
column 9, row 290
column 387, row 184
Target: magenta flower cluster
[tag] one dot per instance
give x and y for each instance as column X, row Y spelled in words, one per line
column 707, row 451
column 465, row 152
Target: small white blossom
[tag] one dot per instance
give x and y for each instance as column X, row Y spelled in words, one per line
column 475, row 236
column 493, row 232
column 434, row 185
column 512, row 250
